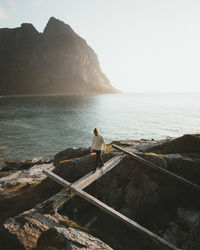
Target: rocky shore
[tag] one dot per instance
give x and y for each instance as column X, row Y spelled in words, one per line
column 159, row 203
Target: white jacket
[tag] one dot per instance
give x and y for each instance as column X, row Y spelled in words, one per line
column 98, row 143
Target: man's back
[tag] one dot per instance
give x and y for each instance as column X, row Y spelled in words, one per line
column 98, row 143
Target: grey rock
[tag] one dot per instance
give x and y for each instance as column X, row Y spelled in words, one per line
column 187, row 218
column 184, row 231
column 175, row 234
column 32, row 229
column 70, row 153
column 69, row 238
column 189, row 143
column 192, row 241
column 29, row 176
column 18, row 165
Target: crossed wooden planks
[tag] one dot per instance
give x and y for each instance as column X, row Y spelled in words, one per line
column 57, row 200
column 77, row 187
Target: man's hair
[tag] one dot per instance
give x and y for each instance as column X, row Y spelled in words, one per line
column 96, row 130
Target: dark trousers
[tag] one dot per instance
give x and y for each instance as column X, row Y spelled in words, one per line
column 99, row 158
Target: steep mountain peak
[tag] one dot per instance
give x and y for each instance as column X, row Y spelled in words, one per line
column 55, row 26
column 55, row 61
column 29, row 28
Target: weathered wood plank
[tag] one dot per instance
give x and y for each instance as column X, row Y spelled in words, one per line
column 64, row 195
column 157, row 168
column 123, row 218
column 93, row 176
column 113, row 212
column 92, row 221
column 90, row 177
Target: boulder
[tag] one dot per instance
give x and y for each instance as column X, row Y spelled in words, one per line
column 70, row 153
column 33, row 230
column 189, row 143
column 184, row 231
column 183, row 166
column 69, row 238
column 192, row 241
column 18, row 165
column 175, row 234
column 28, row 176
column 187, row 218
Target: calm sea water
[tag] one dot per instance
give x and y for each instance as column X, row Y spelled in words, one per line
column 41, row 126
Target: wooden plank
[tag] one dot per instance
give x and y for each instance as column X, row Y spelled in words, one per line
column 157, row 168
column 123, row 218
column 92, row 221
column 93, row 176
column 88, row 178
column 113, row 212
column 60, row 198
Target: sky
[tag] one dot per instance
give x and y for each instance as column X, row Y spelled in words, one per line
column 142, row 45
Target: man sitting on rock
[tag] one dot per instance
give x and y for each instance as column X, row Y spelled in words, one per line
column 98, row 146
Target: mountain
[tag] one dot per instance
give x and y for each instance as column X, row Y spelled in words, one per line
column 57, row 61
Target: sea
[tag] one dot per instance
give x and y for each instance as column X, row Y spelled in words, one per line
column 37, row 127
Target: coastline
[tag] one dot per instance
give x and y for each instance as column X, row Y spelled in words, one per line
column 39, row 126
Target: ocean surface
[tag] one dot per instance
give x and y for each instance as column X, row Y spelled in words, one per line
column 40, row 126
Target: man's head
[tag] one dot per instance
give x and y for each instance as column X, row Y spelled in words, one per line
column 96, row 131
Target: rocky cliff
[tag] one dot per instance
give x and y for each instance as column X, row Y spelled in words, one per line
column 57, row 61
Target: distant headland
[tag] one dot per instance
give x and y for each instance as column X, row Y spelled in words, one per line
column 57, row 61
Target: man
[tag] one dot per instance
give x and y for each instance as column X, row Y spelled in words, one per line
column 98, row 146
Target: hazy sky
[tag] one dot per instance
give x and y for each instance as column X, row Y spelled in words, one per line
column 142, row 45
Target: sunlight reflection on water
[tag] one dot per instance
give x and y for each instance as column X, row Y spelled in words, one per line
column 42, row 125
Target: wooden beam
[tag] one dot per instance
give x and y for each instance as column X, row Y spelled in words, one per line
column 123, row 218
column 93, row 176
column 92, row 221
column 57, row 200
column 88, row 178
column 113, row 212
column 157, row 168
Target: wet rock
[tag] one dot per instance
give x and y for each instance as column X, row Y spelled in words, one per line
column 70, row 153
column 18, row 165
